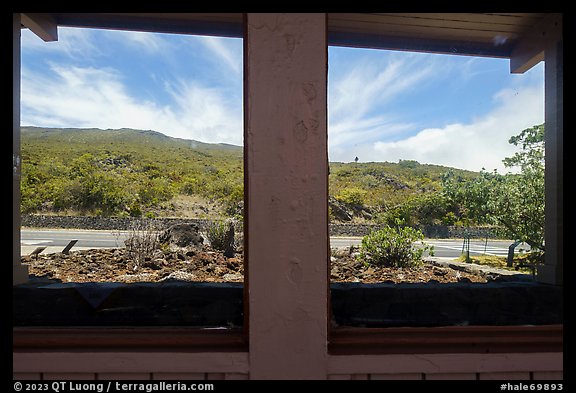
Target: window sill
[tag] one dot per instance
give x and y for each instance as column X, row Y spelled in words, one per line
column 449, row 339
column 126, row 338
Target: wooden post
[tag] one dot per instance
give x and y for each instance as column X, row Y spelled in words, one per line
column 19, row 271
column 552, row 271
column 286, row 187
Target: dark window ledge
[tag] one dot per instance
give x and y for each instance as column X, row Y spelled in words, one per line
column 343, row 341
column 125, row 338
column 389, row 305
column 174, row 303
column 446, row 339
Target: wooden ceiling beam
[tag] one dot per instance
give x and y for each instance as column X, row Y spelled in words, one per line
column 529, row 49
column 519, row 37
column 43, row 25
column 389, row 42
column 224, row 25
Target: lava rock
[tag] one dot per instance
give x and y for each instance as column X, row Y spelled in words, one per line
column 182, row 235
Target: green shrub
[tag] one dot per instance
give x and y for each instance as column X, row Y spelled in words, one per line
column 352, row 196
column 394, row 247
column 154, row 191
column 220, row 234
column 430, row 208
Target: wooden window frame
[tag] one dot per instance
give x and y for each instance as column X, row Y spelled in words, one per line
column 341, row 341
column 489, row 339
column 446, row 339
column 130, row 338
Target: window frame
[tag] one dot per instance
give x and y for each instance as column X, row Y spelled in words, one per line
column 193, row 339
column 544, row 338
column 446, row 339
column 466, row 339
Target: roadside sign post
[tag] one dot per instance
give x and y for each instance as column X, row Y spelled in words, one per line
column 37, row 251
column 66, row 249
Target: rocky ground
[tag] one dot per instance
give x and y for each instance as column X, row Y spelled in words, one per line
column 202, row 264
column 180, row 253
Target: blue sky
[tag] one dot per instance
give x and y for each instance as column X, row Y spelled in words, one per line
column 382, row 105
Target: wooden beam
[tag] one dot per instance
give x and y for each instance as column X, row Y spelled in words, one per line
column 529, row 49
column 553, row 269
column 446, row 339
column 388, row 42
column 43, row 25
column 127, row 338
column 526, row 54
column 217, row 24
column 19, row 271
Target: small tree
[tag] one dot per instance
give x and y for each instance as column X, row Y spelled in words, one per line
column 513, row 202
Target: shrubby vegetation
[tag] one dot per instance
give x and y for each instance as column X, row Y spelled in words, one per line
column 406, row 190
column 512, row 202
column 137, row 173
column 222, row 236
column 394, row 246
column 123, row 172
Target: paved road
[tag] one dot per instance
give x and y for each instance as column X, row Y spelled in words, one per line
column 56, row 239
column 448, row 248
column 61, row 237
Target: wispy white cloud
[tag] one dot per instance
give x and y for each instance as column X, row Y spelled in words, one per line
column 221, row 47
column 365, row 120
column 359, row 98
column 207, row 112
column 89, row 97
column 141, row 41
column 72, row 42
column 104, row 92
column 482, row 143
column 80, row 97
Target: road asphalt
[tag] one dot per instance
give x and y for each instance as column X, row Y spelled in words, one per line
column 56, row 239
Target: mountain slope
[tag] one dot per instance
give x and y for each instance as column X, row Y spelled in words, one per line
column 123, row 172
column 135, row 172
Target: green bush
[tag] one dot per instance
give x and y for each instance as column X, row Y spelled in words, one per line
column 431, row 208
column 233, row 203
column 352, row 196
column 394, row 247
column 220, row 234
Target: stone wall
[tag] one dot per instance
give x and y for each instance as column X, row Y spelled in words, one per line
column 340, row 229
column 430, row 231
column 97, row 223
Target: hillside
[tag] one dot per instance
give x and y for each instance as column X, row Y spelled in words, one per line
column 137, row 172
column 126, row 172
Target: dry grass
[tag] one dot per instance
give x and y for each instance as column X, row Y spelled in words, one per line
column 499, row 262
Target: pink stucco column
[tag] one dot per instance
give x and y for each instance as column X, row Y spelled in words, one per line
column 286, row 184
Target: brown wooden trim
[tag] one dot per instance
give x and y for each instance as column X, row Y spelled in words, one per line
column 216, row 24
column 213, row 340
column 449, row 339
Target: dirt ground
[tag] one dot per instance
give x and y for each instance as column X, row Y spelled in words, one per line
column 207, row 265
